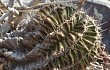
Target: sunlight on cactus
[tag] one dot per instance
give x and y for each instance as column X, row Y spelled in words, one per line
column 57, row 37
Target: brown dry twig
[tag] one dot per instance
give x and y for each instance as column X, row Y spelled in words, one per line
column 81, row 2
column 2, row 6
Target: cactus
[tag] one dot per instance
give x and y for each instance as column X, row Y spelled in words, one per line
column 57, row 36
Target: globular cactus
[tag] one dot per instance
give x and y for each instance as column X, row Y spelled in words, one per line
column 58, row 37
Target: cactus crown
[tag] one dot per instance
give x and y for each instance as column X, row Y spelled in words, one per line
column 69, row 37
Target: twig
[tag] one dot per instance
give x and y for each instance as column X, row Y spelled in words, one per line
column 21, row 4
column 4, row 16
column 1, row 4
